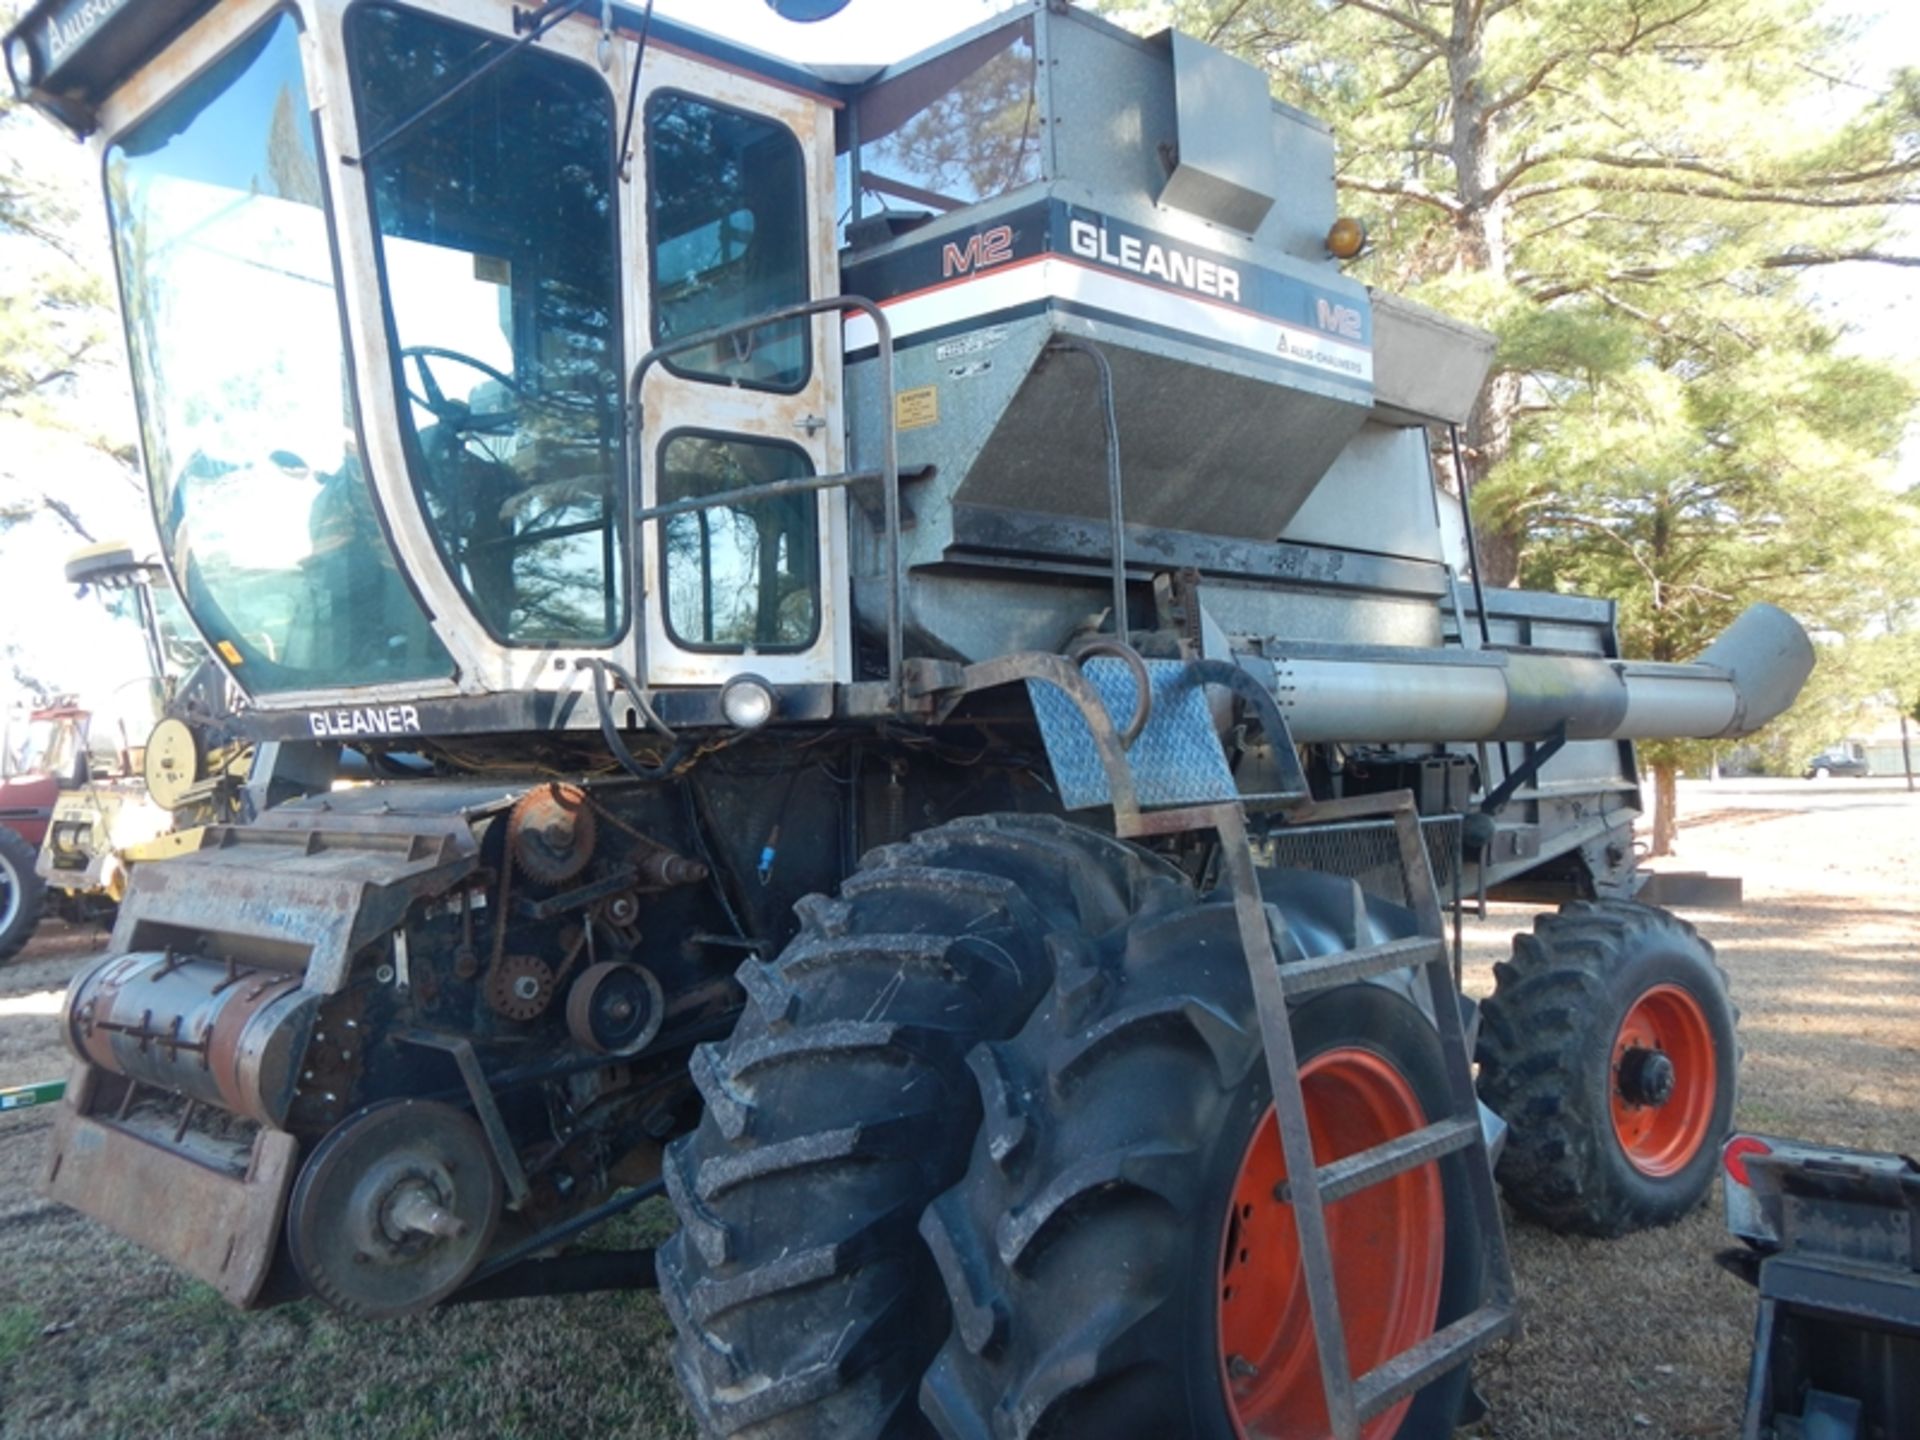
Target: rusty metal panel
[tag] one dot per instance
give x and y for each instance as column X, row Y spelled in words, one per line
column 311, row 887
column 219, row 1227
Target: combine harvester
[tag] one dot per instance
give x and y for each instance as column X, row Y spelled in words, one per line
column 921, row 708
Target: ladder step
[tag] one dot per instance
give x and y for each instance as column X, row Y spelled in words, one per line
column 1393, row 1381
column 1341, row 1178
column 1321, row 972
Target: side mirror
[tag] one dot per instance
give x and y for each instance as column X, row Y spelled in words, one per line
column 807, row 11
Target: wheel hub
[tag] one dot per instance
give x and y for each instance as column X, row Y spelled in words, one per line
column 394, row 1209
column 1646, row 1077
column 1665, row 1077
column 1388, row 1245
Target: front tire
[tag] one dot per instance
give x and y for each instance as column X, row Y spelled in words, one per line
column 23, row 893
column 1117, row 1263
column 806, row 1304
column 1610, row 1048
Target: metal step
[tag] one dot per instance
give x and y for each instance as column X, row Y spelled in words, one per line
column 1341, row 1178
column 1342, row 967
column 1387, row 1384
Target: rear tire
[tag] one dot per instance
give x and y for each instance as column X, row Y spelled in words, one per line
column 1588, row 1153
column 23, row 893
column 1087, row 1251
column 806, row 1304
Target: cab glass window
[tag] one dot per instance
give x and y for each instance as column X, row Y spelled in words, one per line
column 497, row 254
column 728, row 229
column 743, row 576
column 961, row 128
column 247, row 417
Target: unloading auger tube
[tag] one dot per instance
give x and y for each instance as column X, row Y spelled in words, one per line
column 1740, row 682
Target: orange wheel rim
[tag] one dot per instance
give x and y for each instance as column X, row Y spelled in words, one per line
column 1388, row 1244
column 1664, row 1080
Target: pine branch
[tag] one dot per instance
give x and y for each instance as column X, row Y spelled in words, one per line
column 1707, row 192
column 66, row 513
column 1618, row 49
column 1403, row 191
column 1407, row 79
column 1219, row 28
column 1406, row 22
column 1794, row 260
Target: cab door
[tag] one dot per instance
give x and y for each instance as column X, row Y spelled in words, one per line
column 734, row 179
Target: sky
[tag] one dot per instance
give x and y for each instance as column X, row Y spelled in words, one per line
column 867, row 31
column 73, row 643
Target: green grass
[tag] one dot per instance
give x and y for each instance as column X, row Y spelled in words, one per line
column 20, row 1326
column 150, row 1354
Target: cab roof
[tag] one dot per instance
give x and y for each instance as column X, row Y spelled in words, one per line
column 65, row 57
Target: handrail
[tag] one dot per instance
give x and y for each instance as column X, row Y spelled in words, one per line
column 1116, row 501
column 889, row 474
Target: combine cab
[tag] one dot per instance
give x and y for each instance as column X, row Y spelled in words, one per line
column 903, row 686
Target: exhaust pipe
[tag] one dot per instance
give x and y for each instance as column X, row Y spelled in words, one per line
column 1748, row 676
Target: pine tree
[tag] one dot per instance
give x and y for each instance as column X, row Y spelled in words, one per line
column 1629, row 194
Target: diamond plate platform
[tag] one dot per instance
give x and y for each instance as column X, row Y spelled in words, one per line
column 1176, row 761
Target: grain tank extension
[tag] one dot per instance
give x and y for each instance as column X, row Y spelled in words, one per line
column 877, row 653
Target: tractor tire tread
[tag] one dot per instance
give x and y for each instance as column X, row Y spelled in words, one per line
column 1555, row 1169
column 805, row 1299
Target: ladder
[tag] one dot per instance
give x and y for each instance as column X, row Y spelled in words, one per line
column 1162, row 768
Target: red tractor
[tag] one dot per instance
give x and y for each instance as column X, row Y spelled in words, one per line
column 39, row 760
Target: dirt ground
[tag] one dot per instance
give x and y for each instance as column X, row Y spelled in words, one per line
column 1638, row 1338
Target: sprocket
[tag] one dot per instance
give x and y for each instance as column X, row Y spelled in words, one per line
column 551, row 833
column 520, row 987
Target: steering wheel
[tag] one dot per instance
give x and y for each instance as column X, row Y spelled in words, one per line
column 457, row 415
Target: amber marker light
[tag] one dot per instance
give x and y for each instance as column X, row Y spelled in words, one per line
column 1347, row 238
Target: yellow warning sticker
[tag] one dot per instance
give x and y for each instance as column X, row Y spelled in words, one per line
column 230, row 652
column 917, row 409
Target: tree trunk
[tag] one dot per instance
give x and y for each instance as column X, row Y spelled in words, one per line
column 1666, row 807
column 1481, row 225
column 1485, row 440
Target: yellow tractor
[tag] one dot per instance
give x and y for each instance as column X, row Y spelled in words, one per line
column 148, row 773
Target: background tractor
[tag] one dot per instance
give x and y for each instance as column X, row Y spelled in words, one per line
column 92, row 789
column 910, row 693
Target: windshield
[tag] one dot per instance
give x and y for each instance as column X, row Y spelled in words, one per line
column 246, row 410
column 45, row 746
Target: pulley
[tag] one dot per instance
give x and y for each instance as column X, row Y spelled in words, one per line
column 615, row 1009
column 394, row 1209
column 174, row 763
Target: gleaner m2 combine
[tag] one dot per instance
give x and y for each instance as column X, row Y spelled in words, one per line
column 917, row 692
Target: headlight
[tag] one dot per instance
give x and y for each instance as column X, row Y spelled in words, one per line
column 747, row 702
column 20, row 64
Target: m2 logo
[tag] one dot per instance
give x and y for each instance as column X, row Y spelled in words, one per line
column 984, row 250
column 1341, row 320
